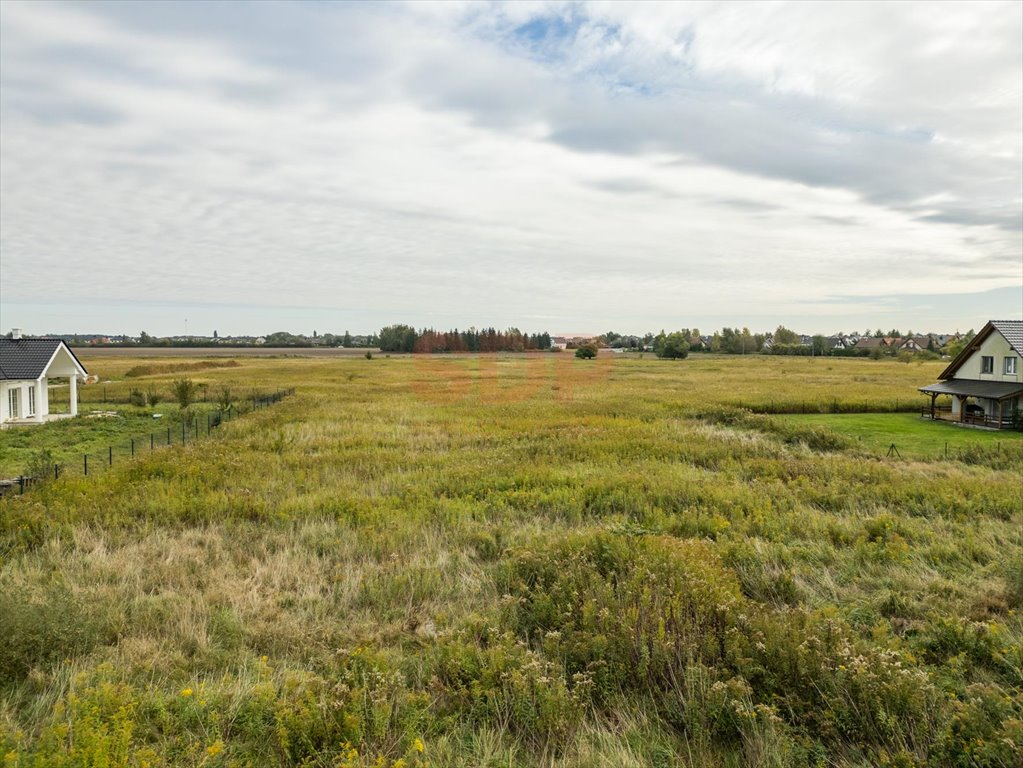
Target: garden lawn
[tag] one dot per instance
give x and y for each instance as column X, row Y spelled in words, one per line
column 913, row 436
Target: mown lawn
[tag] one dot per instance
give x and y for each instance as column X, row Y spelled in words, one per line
column 521, row 561
column 912, row 436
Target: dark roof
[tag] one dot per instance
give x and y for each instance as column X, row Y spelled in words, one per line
column 995, row 390
column 868, row 342
column 27, row 358
column 1012, row 330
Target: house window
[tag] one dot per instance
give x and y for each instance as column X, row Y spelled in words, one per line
column 987, row 364
column 12, row 404
column 1010, row 366
column 32, row 401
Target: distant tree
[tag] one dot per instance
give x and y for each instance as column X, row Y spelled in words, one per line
column 184, row 392
column 612, row 339
column 215, row 336
column 346, row 340
column 586, row 351
column 783, row 335
column 953, row 348
column 145, row 338
column 675, row 346
column 398, row 338
column 819, row 345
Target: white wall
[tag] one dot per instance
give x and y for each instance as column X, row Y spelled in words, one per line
column 997, row 347
column 23, row 387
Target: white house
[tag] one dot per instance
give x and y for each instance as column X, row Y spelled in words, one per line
column 26, row 366
column 985, row 380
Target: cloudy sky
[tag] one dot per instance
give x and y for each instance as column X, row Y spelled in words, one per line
column 187, row 167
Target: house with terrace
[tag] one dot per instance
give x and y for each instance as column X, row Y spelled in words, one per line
column 984, row 381
column 27, row 367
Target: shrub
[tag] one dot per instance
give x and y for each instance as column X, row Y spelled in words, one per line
column 984, row 728
column 494, row 680
column 136, row 397
column 41, row 466
column 184, row 392
column 225, row 399
column 586, row 352
column 41, row 628
column 98, row 727
column 153, row 398
column 629, row 612
column 834, row 687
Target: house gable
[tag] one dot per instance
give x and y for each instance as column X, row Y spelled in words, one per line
column 998, row 339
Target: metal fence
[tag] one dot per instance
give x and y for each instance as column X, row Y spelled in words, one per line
column 182, row 432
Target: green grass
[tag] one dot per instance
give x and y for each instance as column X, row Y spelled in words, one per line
column 521, row 561
column 94, row 432
column 913, row 436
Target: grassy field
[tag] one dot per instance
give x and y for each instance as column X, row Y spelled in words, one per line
column 524, row 561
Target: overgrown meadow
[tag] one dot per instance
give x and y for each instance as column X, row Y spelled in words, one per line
column 523, row 561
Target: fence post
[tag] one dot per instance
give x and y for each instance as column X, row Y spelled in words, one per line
column 152, row 442
column 207, row 425
column 195, row 425
column 110, row 453
column 56, row 471
column 133, row 447
column 21, row 482
column 168, row 436
column 85, row 462
column 182, row 433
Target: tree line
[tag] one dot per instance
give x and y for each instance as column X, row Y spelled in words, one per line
column 405, row 338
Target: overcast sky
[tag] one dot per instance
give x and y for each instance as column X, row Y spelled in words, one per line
column 186, row 167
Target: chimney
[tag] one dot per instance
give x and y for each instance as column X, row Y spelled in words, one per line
column 16, row 333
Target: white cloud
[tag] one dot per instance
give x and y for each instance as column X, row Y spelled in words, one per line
column 632, row 164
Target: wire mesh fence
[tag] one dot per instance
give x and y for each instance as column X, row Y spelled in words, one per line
column 183, row 432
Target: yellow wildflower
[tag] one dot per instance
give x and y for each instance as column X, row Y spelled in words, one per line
column 186, row 692
column 417, row 744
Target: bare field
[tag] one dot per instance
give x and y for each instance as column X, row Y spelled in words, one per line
column 146, row 352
